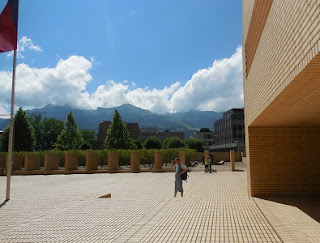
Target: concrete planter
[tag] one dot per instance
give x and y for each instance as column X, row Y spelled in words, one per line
column 135, row 161
column 157, row 160
column 71, row 162
column 32, row 162
column 51, row 162
column 113, row 162
column 92, row 161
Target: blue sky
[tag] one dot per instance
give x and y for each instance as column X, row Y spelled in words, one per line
column 131, row 51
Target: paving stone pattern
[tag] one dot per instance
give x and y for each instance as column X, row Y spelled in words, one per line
column 66, row 208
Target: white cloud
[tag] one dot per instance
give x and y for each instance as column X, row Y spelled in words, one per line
column 218, row 88
column 63, row 84
column 4, row 114
column 25, row 44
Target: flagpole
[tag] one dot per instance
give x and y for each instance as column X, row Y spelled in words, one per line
column 10, row 145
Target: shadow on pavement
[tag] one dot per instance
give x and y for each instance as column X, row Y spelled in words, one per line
column 3, row 203
column 309, row 205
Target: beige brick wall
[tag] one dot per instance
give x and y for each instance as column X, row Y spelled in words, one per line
column 290, row 39
column 284, row 161
column 282, row 100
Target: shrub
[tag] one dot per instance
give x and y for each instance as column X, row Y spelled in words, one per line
column 193, row 143
column 152, row 143
column 136, row 144
column 173, row 142
column 169, row 154
column 146, row 156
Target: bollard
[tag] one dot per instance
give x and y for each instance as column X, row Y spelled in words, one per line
column 113, row 162
column 71, row 162
column 32, row 162
column 232, row 160
column 157, row 160
column 182, row 157
column 51, row 162
column 135, row 161
column 92, row 160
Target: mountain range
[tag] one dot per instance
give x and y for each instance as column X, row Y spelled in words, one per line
column 186, row 122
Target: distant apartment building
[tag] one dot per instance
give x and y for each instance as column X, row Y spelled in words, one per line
column 133, row 129
column 230, row 132
column 153, row 132
column 206, row 136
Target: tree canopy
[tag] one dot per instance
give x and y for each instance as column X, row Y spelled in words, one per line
column 152, row 143
column 24, row 139
column 118, row 136
column 51, row 130
column 194, row 143
column 69, row 138
column 173, row 142
column 89, row 139
column 137, row 144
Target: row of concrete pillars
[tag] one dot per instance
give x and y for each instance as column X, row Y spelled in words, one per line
column 51, row 161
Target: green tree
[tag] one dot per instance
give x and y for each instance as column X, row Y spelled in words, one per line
column 52, row 128
column 194, row 143
column 4, row 138
column 69, row 138
column 24, row 139
column 137, row 143
column 117, row 136
column 152, row 143
column 37, row 125
column 89, row 139
column 173, row 142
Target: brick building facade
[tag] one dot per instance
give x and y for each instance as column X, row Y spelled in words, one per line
column 281, row 69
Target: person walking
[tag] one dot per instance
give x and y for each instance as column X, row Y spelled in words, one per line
column 210, row 163
column 206, row 165
column 179, row 170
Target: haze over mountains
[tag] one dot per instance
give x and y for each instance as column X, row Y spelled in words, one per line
column 187, row 122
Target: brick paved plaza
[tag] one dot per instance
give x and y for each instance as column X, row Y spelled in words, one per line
column 216, row 208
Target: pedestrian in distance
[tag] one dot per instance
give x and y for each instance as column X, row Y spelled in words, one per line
column 210, row 163
column 179, row 170
column 206, row 165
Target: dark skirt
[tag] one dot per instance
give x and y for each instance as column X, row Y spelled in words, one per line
column 178, row 184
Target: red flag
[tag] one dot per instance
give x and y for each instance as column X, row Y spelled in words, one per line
column 9, row 26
